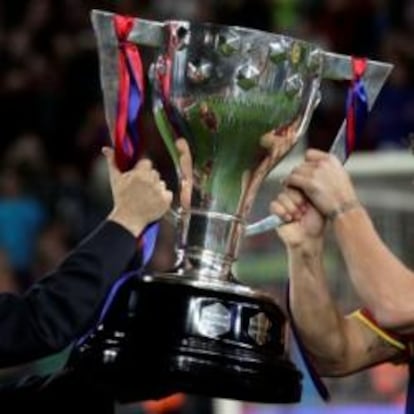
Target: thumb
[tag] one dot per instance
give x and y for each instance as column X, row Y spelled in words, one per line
column 109, row 154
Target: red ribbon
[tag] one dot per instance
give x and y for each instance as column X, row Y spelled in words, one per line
column 128, row 143
column 130, row 71
column 357, row 106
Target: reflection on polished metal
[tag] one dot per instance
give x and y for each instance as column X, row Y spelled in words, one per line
column 229, row 42
column 199, row 72
column 278, row 51
column 240, row 99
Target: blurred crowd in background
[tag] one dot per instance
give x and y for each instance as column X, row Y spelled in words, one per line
column 52, row 179
column 52, row 187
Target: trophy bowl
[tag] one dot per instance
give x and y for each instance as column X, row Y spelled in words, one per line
column 230, row 103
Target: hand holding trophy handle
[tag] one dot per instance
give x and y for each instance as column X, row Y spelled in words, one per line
column 144, row 32
column 336, row 67
column 185, row 172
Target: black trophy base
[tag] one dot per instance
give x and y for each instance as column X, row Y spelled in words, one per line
column 221, row 377
column 164, row 335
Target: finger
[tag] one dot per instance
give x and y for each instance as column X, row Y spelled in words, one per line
column 296, row 196
column 168, row 196
column 298, row 181
column 289, row 205
column 306, row 169
column 185, row 194
column 315, row 155
column 304, row 207
column 155, row 175
column 109, row 154
column 299, row 198
column 279, row 210
column 143, row 164
column 162, row 185
column 186, row 163
column 182, row 146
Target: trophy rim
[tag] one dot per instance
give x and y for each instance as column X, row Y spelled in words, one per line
column 239, row 29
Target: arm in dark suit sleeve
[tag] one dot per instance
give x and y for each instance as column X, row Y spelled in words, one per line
column 58, row 308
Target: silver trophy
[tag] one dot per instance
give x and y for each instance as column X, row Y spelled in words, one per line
column 230, row 103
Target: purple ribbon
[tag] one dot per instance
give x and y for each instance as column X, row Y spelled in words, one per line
column 132, row 148
column 314, row 376
column 409, row 404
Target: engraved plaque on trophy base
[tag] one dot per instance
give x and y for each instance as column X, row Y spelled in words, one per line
column 162, row 337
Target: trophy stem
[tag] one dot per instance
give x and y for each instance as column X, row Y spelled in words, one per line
column 210, row 243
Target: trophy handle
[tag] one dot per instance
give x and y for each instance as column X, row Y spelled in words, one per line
column 336, row 67
column 339, row 67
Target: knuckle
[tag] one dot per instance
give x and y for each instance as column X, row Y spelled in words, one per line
column 295, row 196
column 333, row 160
column 277, row 209
column 291, row 178
column 273, row 205
column 315, row 188
column 145, row 163
column 283, row 199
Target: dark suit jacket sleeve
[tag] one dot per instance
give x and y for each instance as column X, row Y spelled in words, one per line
column 58, row 308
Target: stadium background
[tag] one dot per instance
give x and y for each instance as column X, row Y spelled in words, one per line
column 53, row 187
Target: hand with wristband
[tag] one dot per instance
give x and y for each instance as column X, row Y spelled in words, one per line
column 323, row 179
column 318, row 191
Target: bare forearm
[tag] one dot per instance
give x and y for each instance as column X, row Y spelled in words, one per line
column 315, row 314
column 384, row 284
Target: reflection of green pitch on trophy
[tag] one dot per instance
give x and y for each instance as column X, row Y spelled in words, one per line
column 228, row 148
column 241, row 99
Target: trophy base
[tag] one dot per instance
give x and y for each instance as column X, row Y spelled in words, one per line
column 168, row 333
column 218, row 375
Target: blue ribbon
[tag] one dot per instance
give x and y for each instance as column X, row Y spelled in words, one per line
column 357, row 113
column 409, row 405
column 149, row 236
column 314, row 376
column 134, row 108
